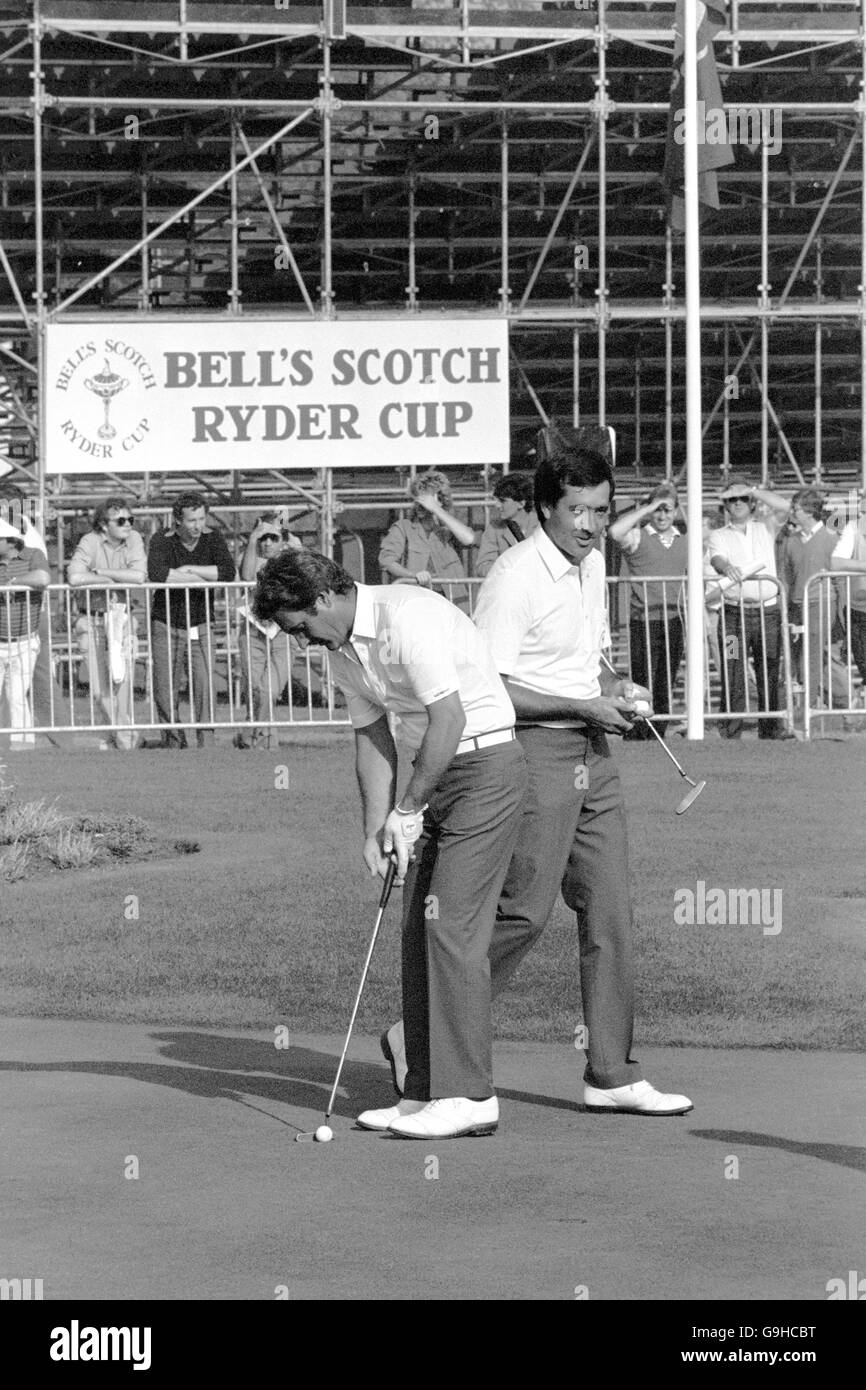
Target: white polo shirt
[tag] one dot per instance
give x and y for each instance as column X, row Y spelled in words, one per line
column 851, row 545
column 756, row 545
column 410, row 647
column 546, row 619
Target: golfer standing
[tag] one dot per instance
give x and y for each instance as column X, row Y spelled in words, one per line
column 542, row 609
column 408, row 652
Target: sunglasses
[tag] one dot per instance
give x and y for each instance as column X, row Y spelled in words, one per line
column 728, row 500
column 122, row 520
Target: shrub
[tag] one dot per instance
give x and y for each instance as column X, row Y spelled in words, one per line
column 29, row 821
column 125, row 827
column 71, row 849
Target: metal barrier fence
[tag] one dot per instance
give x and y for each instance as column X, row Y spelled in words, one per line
column 106, row 661
column 173, row 659
column 747, row 660
column 832, row 631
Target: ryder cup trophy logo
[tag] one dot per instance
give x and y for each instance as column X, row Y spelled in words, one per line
column 120, row 435
column 106, row 385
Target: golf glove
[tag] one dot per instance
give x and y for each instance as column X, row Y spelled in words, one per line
column 401, row 830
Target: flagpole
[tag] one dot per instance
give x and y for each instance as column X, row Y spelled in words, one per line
column 694, row 511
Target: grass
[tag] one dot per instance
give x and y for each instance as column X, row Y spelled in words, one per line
column 269, row 922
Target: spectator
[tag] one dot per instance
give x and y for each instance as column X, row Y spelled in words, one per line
column 420, row 548
column 516, row 520
column 751, row 623
column 110, row 557
column 185, row 560
column 850, row 554
column 46, row 696
column 21, row 566
column 710, row 522
column 657, row 549
column 265, row 653
column 808, row 551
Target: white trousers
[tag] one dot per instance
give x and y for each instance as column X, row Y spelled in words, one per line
column 17, row 659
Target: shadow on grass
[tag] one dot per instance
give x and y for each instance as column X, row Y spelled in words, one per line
column 845, row 1155
column 243, row 1070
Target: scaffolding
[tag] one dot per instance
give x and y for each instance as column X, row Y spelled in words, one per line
column 446, row 159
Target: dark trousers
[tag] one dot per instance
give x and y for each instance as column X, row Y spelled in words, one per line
column 450, row 897
column 828, row 685
column 656, row 647
column 744, row 632
column 858, row 640
column 573, row 836
column 180, row 662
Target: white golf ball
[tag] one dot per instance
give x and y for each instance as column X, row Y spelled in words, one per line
column 324, row 1134
column 642, row 706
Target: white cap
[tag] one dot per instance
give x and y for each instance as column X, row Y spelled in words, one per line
column 9, row 533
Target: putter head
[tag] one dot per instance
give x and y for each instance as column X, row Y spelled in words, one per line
column 690, row 797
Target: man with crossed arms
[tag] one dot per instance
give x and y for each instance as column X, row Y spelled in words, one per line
column 408, row 652
column 542, row 610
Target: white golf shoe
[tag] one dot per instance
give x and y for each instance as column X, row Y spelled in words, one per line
column 393, row 1047
column 383, row 1119
column 449, row 1118
column 639, row 1099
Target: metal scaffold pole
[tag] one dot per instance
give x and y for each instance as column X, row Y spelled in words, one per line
column 38, row 97
column 863, row 245
column 764, row 294
column 601, row 82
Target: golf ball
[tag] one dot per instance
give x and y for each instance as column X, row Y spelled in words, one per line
column 324, row 1134
column 642, row 706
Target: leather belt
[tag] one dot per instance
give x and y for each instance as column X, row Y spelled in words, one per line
column 470, row 745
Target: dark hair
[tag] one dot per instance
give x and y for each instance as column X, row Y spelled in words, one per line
column 518, row 486
column 294, row 580
column 574, row 468
column 190, row 501
column 111, row 504
column 811, row 500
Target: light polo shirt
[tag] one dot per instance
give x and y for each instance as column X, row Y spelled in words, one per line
column 94, row 552
column 756, row 545
column 545, row 619
column 851, row 545
column 410, row 647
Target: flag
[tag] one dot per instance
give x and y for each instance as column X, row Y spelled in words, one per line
column 714, row 151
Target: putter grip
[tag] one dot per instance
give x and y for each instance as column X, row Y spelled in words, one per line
column 388, row 883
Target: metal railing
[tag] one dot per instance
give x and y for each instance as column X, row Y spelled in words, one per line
column 76, row 660
column 832, row 632
column 747, row 660
column 107, row 661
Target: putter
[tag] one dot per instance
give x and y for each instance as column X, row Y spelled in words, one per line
column 696, row 787
column 383, row 903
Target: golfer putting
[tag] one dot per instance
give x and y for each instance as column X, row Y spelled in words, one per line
column 403, row 651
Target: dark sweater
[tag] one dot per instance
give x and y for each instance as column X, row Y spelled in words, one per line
column 167, row 552
column 802, row 559
column 653, row 558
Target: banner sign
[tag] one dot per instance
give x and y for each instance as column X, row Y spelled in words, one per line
column 149, row 395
